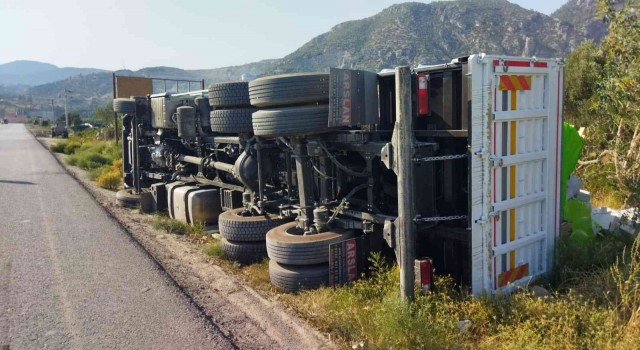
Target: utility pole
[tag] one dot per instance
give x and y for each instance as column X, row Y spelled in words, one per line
column 66, row 114
column 53, row 112
column 403, row 144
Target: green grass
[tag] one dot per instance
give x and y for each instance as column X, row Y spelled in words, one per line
column 214, row 249
column 162, row 222
column 598, row 307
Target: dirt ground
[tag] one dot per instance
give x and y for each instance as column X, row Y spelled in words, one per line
column 250, row 319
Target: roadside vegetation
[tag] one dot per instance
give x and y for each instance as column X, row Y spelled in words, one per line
column 603, row 96
column 163, row 222
column 89, row 150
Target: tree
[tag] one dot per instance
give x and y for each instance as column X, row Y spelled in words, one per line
column 603, row 95
column 74, row 118
column 104, row 114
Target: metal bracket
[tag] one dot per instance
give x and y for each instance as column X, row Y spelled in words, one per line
column 387, row 156
column 389, row 233
column 482, row 220
column 496, row 161
column 505, row 67
column 482, row 152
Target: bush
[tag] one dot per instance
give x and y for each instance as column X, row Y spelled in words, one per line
column 110, row 177
column 93, row 155
column 176, row 227
column 214, row 249
column 169, row 225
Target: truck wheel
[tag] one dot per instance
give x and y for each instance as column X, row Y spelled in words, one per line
column 291, row 278
column 291, row 121
column 124, row 105
column 235, row 227
column 229, row 95
column 287, row 245
column 127, row 199
column 289, row 89
column 232, row 121
column 244, row 252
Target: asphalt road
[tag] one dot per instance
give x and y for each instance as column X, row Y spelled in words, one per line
column 70, row 276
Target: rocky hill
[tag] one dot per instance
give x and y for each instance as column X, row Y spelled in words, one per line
column 582, row 15
column 403, row 34
column 414, row 33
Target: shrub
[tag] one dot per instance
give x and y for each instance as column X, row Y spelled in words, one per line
column 214, row 249
column 92, row 155
column 110, row 177
column 169, row 225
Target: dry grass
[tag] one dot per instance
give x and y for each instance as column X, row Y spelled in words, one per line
column 162, row 222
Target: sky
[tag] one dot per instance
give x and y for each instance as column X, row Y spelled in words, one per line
column 189, row 34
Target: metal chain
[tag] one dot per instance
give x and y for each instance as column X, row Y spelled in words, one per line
column 419, row 219
column 435, row 159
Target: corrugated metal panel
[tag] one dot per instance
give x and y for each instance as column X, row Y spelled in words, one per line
column 516, row 106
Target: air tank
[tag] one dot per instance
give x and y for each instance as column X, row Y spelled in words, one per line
column 202, row 104
column 186, row 120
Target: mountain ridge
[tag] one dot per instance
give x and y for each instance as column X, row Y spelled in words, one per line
column 402, row 34
column 33, row 73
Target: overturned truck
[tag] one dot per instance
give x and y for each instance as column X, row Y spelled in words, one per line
column 303, row 168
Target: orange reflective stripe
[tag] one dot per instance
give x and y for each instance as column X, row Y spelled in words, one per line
column 515, row 82
column 513, row 275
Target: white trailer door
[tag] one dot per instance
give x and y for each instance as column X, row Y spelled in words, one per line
column 516, row 140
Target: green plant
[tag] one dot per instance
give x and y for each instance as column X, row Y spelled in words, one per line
column 169, row 225
column 603, row 96
column 110, row 177
column 214, row 249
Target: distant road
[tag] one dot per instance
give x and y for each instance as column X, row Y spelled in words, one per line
column 70, row 276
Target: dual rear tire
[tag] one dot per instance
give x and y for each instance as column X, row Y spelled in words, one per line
column 243, row 235
column 300, row 261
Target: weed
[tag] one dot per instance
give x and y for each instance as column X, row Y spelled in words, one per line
column 169, row 225
column 110, row 177
column 162, row 222
column 214, row 249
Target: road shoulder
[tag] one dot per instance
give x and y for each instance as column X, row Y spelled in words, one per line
column 248, row 318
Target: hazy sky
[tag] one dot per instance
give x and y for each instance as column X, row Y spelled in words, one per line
column 190, row 34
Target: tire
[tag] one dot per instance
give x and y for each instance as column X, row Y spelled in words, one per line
column 229, row 95
column 232, row 121
column 124, row 105
column 235, row 227
column 284, row 246
column 291, row 121
column 244, row 252
column 127, row 199
column 289, row 90
column 291, row 278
